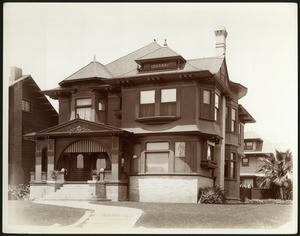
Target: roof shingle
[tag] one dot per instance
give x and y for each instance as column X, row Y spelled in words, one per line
column 93, row 70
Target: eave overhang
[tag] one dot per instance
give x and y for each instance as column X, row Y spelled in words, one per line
column 89, row 79
column 157, row 76
column 244, row 115
column 241, row 90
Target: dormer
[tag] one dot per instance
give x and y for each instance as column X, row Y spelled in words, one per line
column 161, row 59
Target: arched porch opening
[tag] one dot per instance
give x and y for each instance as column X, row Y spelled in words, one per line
column 80, row 158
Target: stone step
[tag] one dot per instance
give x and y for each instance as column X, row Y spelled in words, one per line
column 74, row 192
column 90, row 199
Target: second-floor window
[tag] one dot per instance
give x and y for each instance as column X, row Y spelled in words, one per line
column 233, row 120
column 168, row 102
column 249, row 145
column 84, row 108
column 26, row 106
column 206, row 104
column 245, row 161
column 149, row 102
column 217, row 108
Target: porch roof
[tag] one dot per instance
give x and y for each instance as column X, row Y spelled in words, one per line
column 78, row 127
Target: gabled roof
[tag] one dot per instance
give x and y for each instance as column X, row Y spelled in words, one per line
column 267, row 147
column 31, row 86
column 162, row 52
column 93, row 70
column 77, row 126
column 212, row 65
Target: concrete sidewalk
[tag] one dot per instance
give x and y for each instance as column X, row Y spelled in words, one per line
column 97, row 219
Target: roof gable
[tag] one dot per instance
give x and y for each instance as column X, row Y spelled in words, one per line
column 79, row 125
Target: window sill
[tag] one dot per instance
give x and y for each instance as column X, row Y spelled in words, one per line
column 209, row 164
column 155, row 120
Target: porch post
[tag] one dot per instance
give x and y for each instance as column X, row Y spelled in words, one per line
column 115, row 156
column 50, row 158
column 38, row 166
column 220, row 149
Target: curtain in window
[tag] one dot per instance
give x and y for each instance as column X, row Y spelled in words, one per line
column 84, row 113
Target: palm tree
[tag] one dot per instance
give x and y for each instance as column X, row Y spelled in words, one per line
column 277, row 170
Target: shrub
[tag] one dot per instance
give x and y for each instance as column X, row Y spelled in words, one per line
column 212, row 195
column 20, row 192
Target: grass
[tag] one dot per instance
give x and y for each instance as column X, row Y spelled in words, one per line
column 29, row 213
column 162, row 215
column 189, row 215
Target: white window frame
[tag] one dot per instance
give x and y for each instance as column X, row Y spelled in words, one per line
column 168, row 95
column 147, row 97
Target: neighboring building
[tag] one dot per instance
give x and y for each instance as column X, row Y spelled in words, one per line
column 160, row 125
column 256, row 148
column 29, row 110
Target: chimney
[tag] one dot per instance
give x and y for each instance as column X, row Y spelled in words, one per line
column 221, row 35
column 15, row 74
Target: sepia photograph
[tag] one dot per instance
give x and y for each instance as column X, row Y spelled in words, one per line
column 140, row 118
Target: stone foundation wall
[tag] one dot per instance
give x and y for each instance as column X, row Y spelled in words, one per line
column 116, row 192
column 39, row 190
column 173, row 188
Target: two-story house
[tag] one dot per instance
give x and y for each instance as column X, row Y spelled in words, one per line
column 155, row 125
column 256, row 148
column 29, row 111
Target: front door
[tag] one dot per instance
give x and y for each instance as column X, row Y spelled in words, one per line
column 80, row 165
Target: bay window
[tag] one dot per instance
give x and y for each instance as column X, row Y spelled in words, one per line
column 206, row 109
column 233, row 120
column 230, row 165
column 217, row 108
column 147, row 103
column 168, row 102
column 84, row 108
column 227, row 119
column 157, row 157
column 210, row 152
column 159, row 102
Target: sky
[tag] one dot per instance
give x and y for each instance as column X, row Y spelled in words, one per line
column 51, row 41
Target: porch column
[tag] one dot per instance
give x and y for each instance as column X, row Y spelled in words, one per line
column 115, row 156
column 220, row 149
column 38, row 166
column 50, row 158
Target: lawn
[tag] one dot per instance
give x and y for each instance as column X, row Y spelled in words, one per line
column 29, row 213
column 189, row 215
column 162, row 215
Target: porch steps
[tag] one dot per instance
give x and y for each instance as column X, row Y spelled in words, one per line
column 80, row 192
column 110, row 220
